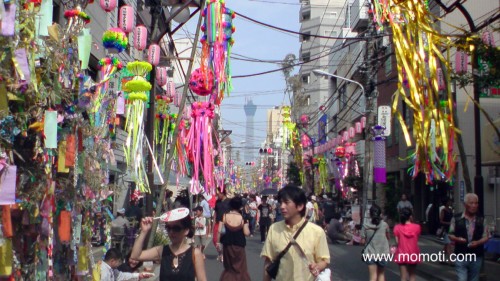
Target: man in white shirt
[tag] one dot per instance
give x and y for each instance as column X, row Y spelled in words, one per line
column 112, row 260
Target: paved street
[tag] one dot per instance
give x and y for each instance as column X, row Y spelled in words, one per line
column 346, row 263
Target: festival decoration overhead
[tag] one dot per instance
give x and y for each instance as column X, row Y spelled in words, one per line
column 418, row 48
column 216, row 47
column 133, row 148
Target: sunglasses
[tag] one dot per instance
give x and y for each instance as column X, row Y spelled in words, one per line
column 174, row 228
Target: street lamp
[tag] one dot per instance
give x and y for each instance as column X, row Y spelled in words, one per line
column 368, row 185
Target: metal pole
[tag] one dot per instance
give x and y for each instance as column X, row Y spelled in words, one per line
column 159, row 202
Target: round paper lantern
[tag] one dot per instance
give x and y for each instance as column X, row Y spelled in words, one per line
column 269, row 151
column 108, row 5
column 126, row 18
column 161, row 76
column 304, row 119
column 200, row 84
column 154, row 54
column 183, row 14
column 140, row 37
column 340, row 151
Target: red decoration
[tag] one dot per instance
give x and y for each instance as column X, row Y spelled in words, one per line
column 340, row 151
column 200, row 84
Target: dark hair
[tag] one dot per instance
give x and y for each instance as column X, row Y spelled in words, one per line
column 236, row 203
column 375, row 213
column 337, row 216
column 187, row 223
column 405, row 215
column 295, row 194
column 113, row 254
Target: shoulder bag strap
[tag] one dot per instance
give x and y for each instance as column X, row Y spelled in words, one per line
column 366, row 245
column 290, row 243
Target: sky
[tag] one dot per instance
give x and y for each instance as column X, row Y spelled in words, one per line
column 258, row 42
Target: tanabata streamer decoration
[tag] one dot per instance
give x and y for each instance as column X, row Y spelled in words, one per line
column 200, row 149
column 109, row 66
column 162, row 125
column 133, row 147
column 418, row 48
column 216, row 47
column 289, row 128
column 115, row 40
column 76, row 19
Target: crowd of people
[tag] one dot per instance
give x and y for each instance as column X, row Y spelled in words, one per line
column 295, row 231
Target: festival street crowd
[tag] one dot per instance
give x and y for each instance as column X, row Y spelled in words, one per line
column 295, row 231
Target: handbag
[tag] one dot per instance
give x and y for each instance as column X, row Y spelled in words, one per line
column 325, row 275
column 273, row 267
column 366, row 245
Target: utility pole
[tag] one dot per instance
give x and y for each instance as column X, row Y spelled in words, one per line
column 371, row 104
column 159, row 202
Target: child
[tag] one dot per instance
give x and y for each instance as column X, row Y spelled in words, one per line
column 200, row 229
column 356, row 235
column 109, row 271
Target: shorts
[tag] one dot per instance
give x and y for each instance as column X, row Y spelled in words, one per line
column 200, row 240
column 446, row 238
column 381, row 263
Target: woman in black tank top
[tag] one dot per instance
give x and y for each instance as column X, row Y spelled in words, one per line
column 179, row 261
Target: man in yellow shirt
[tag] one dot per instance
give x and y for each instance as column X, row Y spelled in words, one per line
column 292, row 202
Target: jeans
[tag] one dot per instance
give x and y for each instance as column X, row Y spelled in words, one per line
column 252, row 225
column 468, row 270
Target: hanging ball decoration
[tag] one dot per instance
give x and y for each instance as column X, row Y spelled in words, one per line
column 340, row 151
column 200, row 84
column 269, row 151
column 304, row 119
column 140, row 37
column 126, row 18
column 108, row 5
column 161, row 76
column 305, row 141
column 154, row 54
column 114, row 39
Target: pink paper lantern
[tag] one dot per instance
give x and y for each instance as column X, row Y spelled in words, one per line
column 154, row 52
column 140, row 37
column 440, row 78
column 352, row 132
column 363, row 122
column 357, row 127
column 269, row 151
column 108, row 5
column 488, row 38
column 161, row 76
column 345, row 136
column 126, row 18
column 306, row 142
column 461, row 62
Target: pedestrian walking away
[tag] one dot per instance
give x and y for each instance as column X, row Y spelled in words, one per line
column 407, row 251
column 375, row 237
column 234, row 242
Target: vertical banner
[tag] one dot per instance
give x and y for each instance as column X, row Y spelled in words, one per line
column 322, row 129
column 50, row 129
column 379, row 165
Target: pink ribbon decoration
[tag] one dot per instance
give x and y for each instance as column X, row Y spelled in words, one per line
column 200, row 149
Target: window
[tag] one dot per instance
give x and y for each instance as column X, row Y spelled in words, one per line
column 408, row 114
column 306, row 78
column 388, row 60
column 328, row 32
column 306, row 15
column 334, row 33
column 388, row 140
column 306, row 36
column 308, row 100
column 395, row 132
column 306, row 56
column 342, row 97
column 56, row 12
